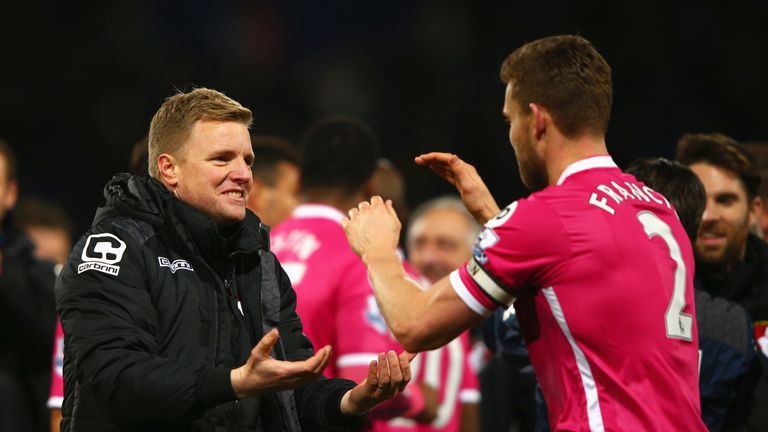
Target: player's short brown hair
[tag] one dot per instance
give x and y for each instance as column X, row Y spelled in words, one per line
column 568, row 77
column 173, row 122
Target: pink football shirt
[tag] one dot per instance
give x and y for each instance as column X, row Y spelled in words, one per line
column 602, row 273
column 56, row 396
column 334, row 297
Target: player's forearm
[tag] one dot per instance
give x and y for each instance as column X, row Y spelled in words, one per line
column 403, row 303
column 487, row 210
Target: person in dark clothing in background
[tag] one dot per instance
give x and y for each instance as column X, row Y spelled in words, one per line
column 27, row 317
column 177, row 316
column 732, row 275
column 50, row 229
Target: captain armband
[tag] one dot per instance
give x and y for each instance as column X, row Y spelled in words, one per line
column 488, row 284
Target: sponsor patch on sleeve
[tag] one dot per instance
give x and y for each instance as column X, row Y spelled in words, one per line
column 101, row 253
column 487, row 238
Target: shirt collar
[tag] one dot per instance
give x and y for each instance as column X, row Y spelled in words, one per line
column 604, row 161
column 321, row 211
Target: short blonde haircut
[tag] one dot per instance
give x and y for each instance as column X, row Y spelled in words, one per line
column 173, row 122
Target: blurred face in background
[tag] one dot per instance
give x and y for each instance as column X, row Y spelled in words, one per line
column 439, row 242
column 722, row 235
column 273, row 203
column 51, row 244
column 8, row 189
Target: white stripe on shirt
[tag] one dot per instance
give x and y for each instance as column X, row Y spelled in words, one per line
column 469, row 396
column 463, row 292
column 55, row 402
column 356, row 359
column 587, row 379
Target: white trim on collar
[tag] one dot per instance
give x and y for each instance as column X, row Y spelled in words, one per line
column 586, row 164
column 317, row 211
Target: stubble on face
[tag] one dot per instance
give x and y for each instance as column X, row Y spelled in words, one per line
column 530, row 164
column 732, row 251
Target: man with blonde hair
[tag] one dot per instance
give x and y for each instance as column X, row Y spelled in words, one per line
column 176, row 314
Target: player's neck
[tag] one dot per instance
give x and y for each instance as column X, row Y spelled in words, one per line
column 340, row 200
column 568, row 151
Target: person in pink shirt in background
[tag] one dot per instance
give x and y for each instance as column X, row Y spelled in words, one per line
column 334, row 296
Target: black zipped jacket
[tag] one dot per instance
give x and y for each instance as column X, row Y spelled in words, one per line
column 731, row 312
column 158, row 305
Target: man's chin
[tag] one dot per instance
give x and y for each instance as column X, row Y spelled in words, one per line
column 231, row 218
column 711, row 258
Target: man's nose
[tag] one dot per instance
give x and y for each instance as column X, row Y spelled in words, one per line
column 242, row 173
column 711, row 212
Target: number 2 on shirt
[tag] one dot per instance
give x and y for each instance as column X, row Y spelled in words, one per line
column 678, row 324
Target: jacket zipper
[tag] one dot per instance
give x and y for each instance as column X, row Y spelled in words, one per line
column 215, row 328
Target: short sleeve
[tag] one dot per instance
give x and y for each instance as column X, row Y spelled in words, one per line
column 520, row 247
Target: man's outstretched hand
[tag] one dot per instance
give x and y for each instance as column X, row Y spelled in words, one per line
column 372, row 227
column 386, row 378
column 475, row 194
column 262, row 373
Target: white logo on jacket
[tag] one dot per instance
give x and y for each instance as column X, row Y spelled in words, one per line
column 178, row 264
column 101, row 252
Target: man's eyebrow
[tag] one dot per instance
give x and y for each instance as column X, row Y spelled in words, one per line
column 723, row 195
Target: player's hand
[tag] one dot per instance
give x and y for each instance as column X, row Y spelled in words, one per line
column 475, row 194
column 262, row 373
column 386, row 378
column 372, row 226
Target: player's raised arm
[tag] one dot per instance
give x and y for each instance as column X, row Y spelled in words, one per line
column 420, row 320
column 475, row 194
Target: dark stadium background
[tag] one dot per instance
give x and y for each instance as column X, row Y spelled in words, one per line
column 79, row 81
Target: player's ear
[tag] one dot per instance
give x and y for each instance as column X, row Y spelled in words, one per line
column 540, row 120
column 167, row 166
column 755, row 210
